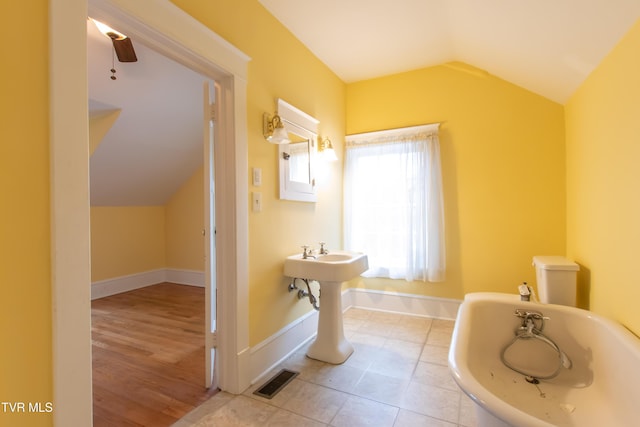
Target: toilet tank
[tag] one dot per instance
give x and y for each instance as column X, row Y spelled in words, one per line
column 556, row 279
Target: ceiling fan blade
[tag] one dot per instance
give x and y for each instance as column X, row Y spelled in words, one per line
column 124, row 50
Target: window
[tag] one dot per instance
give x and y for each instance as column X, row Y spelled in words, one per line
column 393, row 203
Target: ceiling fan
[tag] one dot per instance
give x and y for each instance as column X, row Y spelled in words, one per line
column 122, row 45
column 124, row 48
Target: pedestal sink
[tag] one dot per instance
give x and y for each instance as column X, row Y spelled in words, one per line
column 330, row 270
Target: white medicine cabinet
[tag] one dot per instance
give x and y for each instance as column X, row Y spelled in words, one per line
column 297, row 159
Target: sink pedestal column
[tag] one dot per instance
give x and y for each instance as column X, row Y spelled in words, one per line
column 330, row 345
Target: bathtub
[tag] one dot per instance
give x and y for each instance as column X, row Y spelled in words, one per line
column 601, row 387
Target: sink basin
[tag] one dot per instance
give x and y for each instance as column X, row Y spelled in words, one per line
column 338, row 266
column 330, row 270
column 334, row 257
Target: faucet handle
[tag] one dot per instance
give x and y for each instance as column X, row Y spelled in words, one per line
column 307, row 252
column 323, row 251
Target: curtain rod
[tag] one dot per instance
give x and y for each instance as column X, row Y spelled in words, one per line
column 380, row 133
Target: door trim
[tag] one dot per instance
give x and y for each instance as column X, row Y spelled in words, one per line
column 168, row 29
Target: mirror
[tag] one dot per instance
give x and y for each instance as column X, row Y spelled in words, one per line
column 297, row 159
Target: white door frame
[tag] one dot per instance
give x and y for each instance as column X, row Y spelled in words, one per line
column 209, row 129
column 169, row 30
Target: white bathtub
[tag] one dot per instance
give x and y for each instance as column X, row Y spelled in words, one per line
column 602, row 387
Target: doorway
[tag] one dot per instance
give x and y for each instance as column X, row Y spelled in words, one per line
column 197, row 46
column 152, row 205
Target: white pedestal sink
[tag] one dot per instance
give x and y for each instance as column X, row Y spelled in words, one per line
column 330, row 271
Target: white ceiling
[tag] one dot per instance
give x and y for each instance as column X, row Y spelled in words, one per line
column 155, row 145
column 546, row 46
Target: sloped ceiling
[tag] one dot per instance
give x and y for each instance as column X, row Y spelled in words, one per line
column 155, row 142
column 546, row 46
column 146, row 126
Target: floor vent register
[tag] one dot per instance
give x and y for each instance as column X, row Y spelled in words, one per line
column 275, row 384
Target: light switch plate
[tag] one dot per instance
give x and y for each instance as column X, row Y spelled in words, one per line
column 256, row 201
column 257, row 177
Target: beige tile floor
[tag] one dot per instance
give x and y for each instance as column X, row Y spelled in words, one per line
column 397, row 376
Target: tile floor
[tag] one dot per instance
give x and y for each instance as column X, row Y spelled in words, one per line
column 397, row 376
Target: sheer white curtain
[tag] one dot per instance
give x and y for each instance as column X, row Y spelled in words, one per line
column 393, row 207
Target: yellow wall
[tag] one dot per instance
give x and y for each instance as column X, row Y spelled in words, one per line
column 503, row 156
column 126, row 240
column 25, row 284
column 184, row 214
column 280, row 67
column 136, row 239
column 603, row 207
column 493, row 144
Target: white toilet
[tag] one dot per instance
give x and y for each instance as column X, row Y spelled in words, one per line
column 556, row 277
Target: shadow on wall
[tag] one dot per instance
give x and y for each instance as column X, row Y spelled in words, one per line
column 584, row 287
column 453, row 245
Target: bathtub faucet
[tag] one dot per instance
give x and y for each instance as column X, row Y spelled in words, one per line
column 531, row 328
column 531, row 320
column 529, row 314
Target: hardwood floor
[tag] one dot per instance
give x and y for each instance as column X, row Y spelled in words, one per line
column 148, row 356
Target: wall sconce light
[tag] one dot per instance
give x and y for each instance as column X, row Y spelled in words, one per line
column 325, row 148
column 274, row 130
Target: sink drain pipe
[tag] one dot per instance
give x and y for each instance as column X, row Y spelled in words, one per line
column 302, row 293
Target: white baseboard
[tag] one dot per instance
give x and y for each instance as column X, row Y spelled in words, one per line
column 416, row 305
column 185, row 277
column 117, row 285
column 270, row 352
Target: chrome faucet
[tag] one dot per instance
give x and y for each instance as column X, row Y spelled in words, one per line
column 307, row 252
column 323, row 250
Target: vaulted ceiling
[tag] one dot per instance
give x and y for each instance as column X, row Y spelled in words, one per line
column 146, row 126
column 151, row 115
column 546, row 46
